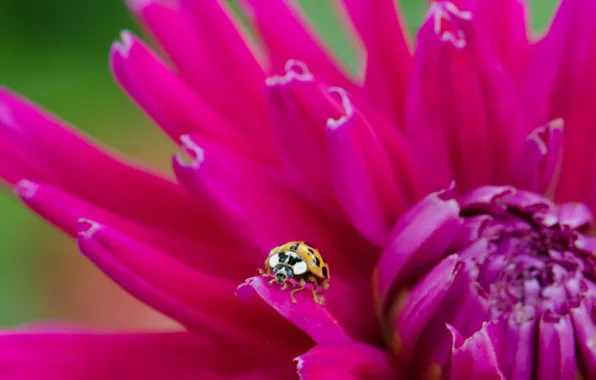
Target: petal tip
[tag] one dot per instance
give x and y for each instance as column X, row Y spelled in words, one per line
column 87, row 228
column 193, row 149
column 347, row 106
column 294, row 70
column 26, row 189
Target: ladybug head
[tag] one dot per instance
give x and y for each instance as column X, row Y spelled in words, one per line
column 282, row 273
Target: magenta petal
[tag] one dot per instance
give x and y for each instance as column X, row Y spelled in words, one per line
column 372, row 189
column 169, row 100
column 540, row 158
column 387, row 69
column 79, row 167
column 520, row 348
column 420, row 304
column 585, row 331
column 463, row 111
column 306, row 314
column 63, row 210
column 287, row 36
column 343, row 361
column 506, row 26
column 475, row 357
column 556, row 349
column 77, row 354
column 260, row 207
column 193, row 54
column 155, row 279
column 419, row 240
column 574, row 215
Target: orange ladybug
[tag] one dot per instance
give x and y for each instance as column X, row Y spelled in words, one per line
column 303, row 263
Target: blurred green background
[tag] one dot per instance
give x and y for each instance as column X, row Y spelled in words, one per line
column 55, row 53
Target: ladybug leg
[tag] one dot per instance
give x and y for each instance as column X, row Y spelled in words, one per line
column 302, row 286
column 272, row 281
column 268, row 269
column 317, row 296
column 284, row 286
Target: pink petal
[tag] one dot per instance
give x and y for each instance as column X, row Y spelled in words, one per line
column 464, row 114
column 585, row 331
column 560, row 84
column 171, row 103
column 200, row 301
column 419, row 240
column 287, row 36
column 389, row 61
column 229, row 44
column 78, row 166
column 64, row 209
column 556, row 349
column 373, row 187
column 520, row 353
column 475, row 357
column 417, row 307
column 540, row 158
column 346, row 361
column 77, row 354
column 306, row 314
column 262, row 209
column 300, row 108
column 197, row 58
column 506, row 26
column 574, row 215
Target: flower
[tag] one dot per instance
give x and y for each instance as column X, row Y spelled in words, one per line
column 450, row 191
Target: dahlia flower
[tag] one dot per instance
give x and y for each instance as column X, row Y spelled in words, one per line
column 450, row 189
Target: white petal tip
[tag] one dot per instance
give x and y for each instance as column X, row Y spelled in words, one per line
column 295, row 70
column 86, row 228
column 26, row 189
column 194, row 150
column 346, row 103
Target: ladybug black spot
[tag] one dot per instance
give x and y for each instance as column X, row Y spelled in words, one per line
column 317, row 261
column 325, row 272
column 294, row 247
column 294, row 260
column 283, row 257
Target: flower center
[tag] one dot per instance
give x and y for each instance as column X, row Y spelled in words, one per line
column 532, row 258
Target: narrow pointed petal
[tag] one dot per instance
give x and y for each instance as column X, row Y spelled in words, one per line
column 170, row 102
column 262, row 209
column 100, row 178
column 556, row 349
column 540, row 158
column 585, row 331
column 229, row 44
column 464, row 114
column 192, row 53
column 560, row 84
column 475, row 357
column 64, row 210
column 373, row 187
column 418, row 241
column 389, row 60
column 307, row 315
column 347, row 361
column 417, row 307
column 288, row 36
column 507, row 29
column 199, row 301
column 78, row 354
column 518, row 362
column 300, row 108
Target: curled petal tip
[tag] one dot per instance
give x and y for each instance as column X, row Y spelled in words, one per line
column 294, row 70
column 26, row 189
column 86, row 228
column 446, row 11
column 347, row 106
column 193, row 149
column 123, row 46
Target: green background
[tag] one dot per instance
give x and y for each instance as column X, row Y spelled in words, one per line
column 55, row 53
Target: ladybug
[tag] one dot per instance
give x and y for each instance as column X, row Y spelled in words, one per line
column 300, row 261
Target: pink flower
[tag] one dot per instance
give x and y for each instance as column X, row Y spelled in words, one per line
column 451, row 192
